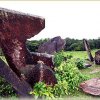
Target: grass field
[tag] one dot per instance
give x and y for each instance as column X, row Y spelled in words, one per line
column 93, row 72
column 80, row 54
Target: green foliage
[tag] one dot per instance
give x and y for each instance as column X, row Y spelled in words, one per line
column 6, row 89
column 60, row 89
column 60, row 57
column 77, row 45
column 68, row 71
column 80, row 63
column 34, row 44
column 71, row 44
column 41, row 91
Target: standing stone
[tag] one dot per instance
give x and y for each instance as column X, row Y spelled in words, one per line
column 87, row 48
column 54, row 45
column 97, row 57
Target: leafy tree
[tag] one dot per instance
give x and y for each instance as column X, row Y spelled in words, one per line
column 34, row 44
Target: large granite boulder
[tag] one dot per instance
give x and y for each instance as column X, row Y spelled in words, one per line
column 54, row 45
column 87, row 48
column 91, row 86
column 97, row 57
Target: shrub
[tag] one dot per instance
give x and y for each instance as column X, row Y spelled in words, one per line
column 80, row 63
column 60, row 57
column 60, row 89
column 68, row 71
column 42, row 91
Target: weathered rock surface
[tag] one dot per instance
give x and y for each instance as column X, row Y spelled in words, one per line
column 97, row 57
column 54, row 45
column 39, row 73
column 46, row 58
column 91, row 86
column 87, row 48
column 21, row 86
column 15, row 28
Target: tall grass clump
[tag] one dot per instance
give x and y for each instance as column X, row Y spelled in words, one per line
column 80, row 63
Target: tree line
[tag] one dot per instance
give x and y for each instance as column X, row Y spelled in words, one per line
column 77, row 45
column 71, row 44
column 34, row 44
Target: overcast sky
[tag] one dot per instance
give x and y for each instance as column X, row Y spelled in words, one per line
column 74, row 19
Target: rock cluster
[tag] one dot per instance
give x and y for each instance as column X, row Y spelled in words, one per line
column 15, row 29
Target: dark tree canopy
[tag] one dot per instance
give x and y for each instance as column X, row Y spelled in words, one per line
column 71, row 44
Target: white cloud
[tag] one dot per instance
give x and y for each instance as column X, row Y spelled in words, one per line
column 74, row 19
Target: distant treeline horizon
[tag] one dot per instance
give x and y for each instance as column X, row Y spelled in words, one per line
column 71, row 44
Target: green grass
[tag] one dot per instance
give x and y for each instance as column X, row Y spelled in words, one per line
column 80, row 54
column 83, row 55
